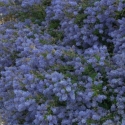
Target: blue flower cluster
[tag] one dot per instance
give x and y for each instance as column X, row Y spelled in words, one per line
column 66, row 68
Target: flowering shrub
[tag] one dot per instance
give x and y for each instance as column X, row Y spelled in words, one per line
column 62, row 62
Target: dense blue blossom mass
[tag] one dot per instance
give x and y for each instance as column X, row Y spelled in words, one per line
column 62, row 62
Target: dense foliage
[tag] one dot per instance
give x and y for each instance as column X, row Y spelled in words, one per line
column 62, row 62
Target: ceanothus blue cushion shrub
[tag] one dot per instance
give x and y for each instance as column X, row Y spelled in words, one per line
column 64, row 67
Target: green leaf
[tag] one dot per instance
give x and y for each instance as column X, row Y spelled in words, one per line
column 54, row 24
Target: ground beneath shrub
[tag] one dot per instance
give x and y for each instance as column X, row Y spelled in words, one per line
column 1, row 122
